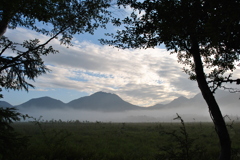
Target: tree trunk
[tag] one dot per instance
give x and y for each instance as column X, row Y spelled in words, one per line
column 3, row 28
column 214, row 109
column 7, row 15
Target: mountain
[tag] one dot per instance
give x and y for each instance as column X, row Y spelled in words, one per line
column 156, row 106
column 102, row 101
column 224, row 99
column 43, row 102
column 178, row 102
column 5, row 104
column 228, row 99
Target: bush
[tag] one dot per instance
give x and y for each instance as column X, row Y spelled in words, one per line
column 181, row 146
column 10, row 141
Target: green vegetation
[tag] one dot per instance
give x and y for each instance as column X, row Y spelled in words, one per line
column 75, row 140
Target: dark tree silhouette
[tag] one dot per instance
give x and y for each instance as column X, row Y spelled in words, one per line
column 203, row 33
column 54, row 18
column 21, row 62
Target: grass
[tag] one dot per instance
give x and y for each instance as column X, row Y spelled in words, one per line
column 57, row 140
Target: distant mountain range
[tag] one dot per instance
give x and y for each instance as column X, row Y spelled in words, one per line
column 102, row 101
column 224, row 99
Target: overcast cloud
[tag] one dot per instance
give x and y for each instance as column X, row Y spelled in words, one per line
column 141, row 77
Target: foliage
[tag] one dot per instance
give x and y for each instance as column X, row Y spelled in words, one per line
column 181, row 146
column 10, row 141
column 66, row 16
column 25, row 64
column 214, row 25
column 53, row 18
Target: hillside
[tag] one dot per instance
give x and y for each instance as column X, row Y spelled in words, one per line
column 43, row 102
column 102, row 101
column 5, row 104
column 224, row 99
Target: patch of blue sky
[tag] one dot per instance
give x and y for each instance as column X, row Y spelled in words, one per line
column 115, row 87
column 81, row 79
column 84, row 76
column 19, row 97
column 159, row 81
column 99, row 75
column 98, row 34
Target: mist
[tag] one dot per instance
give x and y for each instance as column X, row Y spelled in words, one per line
column 189, row 114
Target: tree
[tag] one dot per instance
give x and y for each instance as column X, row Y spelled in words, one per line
column 21, row 62
column 10, row 141
column 54, row 18
column 204, row 34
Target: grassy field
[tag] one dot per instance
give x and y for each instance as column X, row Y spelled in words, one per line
column 57, row 140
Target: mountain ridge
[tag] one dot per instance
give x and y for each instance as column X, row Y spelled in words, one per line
column 102, row 101
column 44, row 102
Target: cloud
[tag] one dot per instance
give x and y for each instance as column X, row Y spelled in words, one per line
column 141, row 77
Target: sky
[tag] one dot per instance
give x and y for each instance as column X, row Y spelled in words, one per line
column 142, row 77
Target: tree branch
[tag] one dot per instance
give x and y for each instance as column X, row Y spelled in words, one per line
column 6, row 47
column 226, row 81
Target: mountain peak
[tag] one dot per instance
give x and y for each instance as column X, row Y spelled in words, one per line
column 43, row 102
column 181, row 98
column 180, row 101
column 42, row 98
column 102, row 93
column 102, row 101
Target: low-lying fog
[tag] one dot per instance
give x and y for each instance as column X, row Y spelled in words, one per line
column 189, row 114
